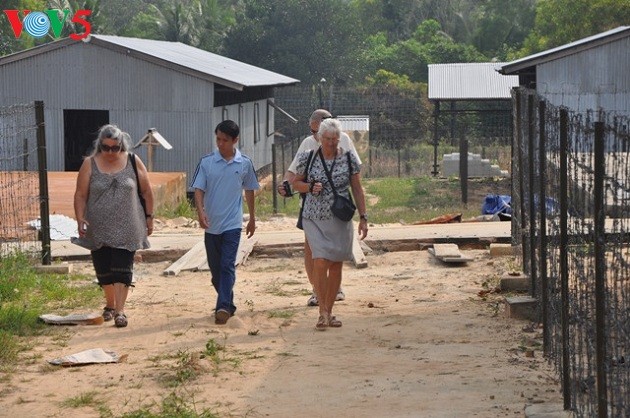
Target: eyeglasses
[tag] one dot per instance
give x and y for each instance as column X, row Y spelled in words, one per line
column 314, row 131
column 107, row 148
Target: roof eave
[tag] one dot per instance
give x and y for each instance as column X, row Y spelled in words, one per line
column 31, row 52
column 517, row 67
column 164, row 63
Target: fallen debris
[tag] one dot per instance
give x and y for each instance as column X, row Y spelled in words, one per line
column 73, row 319
column 444, row 219
column 357, row 254
column 195, row 259
column 448, row 253
column 95, row 355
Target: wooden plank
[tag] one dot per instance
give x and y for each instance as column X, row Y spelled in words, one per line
column 189, row 260
column 245, row 247
column 446, row 250
column 448, row 254
column 357, row 254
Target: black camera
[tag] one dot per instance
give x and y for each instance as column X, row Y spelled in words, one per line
column 287, row 189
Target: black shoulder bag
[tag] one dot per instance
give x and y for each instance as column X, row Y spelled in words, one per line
column 342, row 207
column 303, row 195
column 132, row 159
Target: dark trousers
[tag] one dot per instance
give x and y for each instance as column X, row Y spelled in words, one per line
column 221, row 251
column 113, row 265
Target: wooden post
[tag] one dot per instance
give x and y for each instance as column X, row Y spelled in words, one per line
column 150, row 144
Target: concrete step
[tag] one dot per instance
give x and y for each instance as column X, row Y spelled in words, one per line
column 521, row 307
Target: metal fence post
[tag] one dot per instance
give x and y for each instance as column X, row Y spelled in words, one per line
column 531, row 135
column 463, row 168
column 600, row 270
column 542, row 157
column 274, row 181
column 44, row 210
column 564, row 258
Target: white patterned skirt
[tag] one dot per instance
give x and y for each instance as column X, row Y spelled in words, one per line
column 330, row 239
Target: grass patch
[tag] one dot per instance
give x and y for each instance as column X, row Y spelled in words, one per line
column 406, row 200
column 173, row 406
column 84, row 399
column 26, row 294
column 187, row 368
column 183, row 208
column 281, row 314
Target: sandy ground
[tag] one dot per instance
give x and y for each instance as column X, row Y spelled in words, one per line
column 417, row 340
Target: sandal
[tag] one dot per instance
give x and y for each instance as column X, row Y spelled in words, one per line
column 120, row 320
column 334, row 322
column 321, row 323
column 108, row 313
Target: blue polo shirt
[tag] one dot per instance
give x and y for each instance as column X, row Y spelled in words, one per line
column 223, row 183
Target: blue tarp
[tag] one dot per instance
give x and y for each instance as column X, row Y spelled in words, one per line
column 494, row 203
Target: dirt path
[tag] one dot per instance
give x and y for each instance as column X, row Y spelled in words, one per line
column 416, row 341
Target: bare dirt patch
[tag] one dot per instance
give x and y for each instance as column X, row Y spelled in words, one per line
column 419, row 339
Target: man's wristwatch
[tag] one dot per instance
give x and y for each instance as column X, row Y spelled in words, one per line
column 149, row 216
column 364, row 216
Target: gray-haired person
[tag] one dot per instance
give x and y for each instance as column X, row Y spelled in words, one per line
column 333, row 172
column 111, row 220
column 311, row 142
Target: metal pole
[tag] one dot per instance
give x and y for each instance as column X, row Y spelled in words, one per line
column 44, row 210
column 274, row 180
column 436, row 116
column 600, row 270
column 463, row 168
column 542, row 157
column 531, row 115
column 564, row 260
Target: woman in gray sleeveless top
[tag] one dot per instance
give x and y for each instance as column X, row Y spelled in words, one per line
column 112, row 221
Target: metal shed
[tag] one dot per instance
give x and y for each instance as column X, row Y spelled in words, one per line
column 140, row 84
column 588, row 74
column 471, row 101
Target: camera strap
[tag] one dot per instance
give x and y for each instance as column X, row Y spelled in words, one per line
column 332, row 167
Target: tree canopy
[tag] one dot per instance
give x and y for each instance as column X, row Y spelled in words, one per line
column 346, row 42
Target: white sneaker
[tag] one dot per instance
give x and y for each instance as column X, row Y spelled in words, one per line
column 340, row 295
column 312, row 301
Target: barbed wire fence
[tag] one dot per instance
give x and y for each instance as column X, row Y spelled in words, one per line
column 571, row 189
column 23, row 182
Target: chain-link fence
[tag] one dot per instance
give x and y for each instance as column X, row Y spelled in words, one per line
column 571, row 189
column 22, row 171
column 403, row 127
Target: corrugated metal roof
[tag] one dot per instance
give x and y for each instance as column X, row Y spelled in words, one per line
column 175, row 55
column 515, row 67
column 469, row 81
column 230, row 71
column 354, row 122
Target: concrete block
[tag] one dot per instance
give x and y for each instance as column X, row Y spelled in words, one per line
column 63, row 268
column 547, row 410
column 515, row 283
column 521, row 307
column 499, row 250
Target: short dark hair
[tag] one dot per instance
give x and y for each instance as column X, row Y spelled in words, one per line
column 228, row 127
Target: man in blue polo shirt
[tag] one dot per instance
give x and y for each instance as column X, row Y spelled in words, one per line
column 219, row 181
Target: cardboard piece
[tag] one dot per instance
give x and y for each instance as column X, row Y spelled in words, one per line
column 95, row 355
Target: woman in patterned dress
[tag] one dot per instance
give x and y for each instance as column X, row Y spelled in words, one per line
column 112, row 222
column 329, row 237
